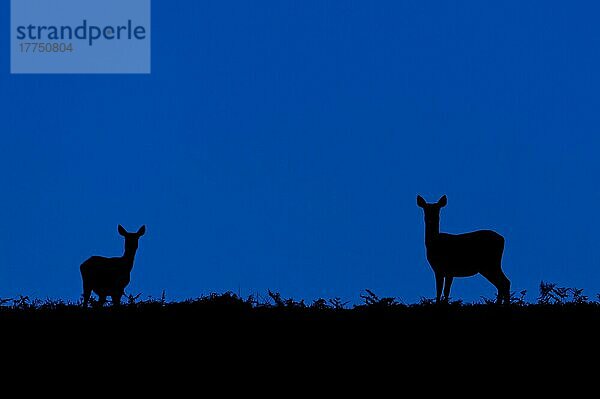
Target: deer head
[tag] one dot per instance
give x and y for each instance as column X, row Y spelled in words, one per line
column 432, row 212
column 131, row 239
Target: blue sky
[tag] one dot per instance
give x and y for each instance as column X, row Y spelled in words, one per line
column 281, row 145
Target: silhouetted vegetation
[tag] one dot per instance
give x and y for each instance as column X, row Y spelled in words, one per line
column 550, row 293
column 554, row 303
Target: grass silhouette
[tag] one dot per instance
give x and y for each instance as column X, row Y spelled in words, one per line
column 555, row 304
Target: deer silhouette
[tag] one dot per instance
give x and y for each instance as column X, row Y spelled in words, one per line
column 110, row 276
column 462, row 255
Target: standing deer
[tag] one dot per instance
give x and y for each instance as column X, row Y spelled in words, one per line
column 462, row 255
column 110, row 276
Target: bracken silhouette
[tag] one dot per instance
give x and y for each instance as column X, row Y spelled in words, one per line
column 462, row 255
column 110, row 276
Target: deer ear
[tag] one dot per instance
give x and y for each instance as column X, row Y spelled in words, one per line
column 141, row 231
column 443, row 201
column 122, row 231
column 421, row 202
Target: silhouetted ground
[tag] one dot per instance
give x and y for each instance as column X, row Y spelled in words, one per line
column 229, row 309
column 231, row 335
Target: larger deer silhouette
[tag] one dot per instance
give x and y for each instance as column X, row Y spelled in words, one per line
column 110, row 276
column 462, row 255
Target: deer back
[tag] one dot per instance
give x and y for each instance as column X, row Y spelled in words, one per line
column 105, row 274
column 465, row 254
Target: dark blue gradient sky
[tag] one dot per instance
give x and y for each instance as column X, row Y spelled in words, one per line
column 281, row 144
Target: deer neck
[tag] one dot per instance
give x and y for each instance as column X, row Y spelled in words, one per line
column 128, row 258
column 432, row 232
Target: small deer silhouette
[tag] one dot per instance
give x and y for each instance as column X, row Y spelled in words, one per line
column 462, row 255
column 110, row 276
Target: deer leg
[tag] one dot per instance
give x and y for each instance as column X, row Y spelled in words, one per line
column 439, row 283
column 116, row 299
column 447, row 286
column 504, row 288
column 502, row 284
column 86, row 296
